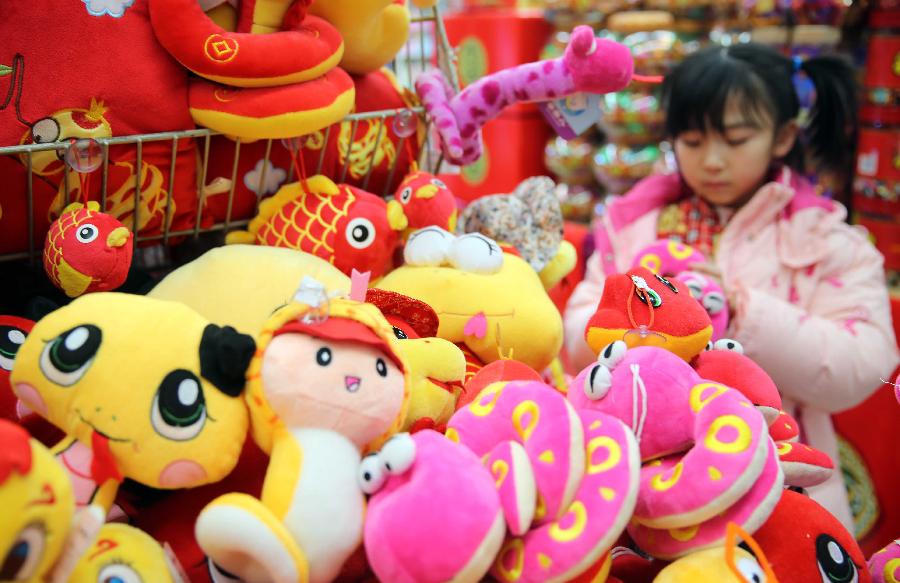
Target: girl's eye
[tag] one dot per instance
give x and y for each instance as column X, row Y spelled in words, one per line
column 695, row 143
column 738, row 141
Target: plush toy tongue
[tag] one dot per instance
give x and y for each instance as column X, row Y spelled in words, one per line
column 103, row 466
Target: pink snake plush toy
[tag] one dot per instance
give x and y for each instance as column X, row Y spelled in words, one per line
column 588, row 65
column 708, row 456
column 567, row 480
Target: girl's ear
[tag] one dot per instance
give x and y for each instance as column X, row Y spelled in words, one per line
column 785, row 138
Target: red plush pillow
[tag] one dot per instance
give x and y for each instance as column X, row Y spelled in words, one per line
column 91, row 69
column 375, row 91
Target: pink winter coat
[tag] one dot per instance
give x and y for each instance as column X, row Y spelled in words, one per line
column 812, row 304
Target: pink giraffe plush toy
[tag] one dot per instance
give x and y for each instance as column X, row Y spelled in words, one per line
column 589, row 64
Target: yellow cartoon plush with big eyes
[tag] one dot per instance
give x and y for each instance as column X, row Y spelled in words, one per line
column 146, row 389
column 37, row 505
column 123, row 554
column 489, row 301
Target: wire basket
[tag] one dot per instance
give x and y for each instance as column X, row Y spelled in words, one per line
column 427, row 46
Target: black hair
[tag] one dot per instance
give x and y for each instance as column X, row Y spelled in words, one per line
column 696, row 92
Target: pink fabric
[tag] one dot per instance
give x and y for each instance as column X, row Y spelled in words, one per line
column 826, row 346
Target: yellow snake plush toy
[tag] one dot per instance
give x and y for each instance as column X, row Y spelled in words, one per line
column 327, row 382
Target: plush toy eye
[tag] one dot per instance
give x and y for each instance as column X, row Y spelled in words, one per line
column 371, row 474
column 179, row 408
column 666, row 282
column 406, row 194
column 219, row 575
column 11, row 339
column 323, row 356
column 613, row 354
column 45, row 131
column 67, row 357
column 360, row 233
column 750, row 570
column 400, row 334
column 709, row 345
column 381, row 367
column 398, row 454
column 643, row 294
column 695, row 289
column 24, row 554
column 597, row 382
column 118, row 573
column 728, row 344
column 86, row 233
column 835, row 564
column 714, row 302
column 439, row 183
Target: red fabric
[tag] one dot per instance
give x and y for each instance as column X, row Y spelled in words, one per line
column 7, row 398
column 697, row 224
column 871, row 430
column 87, row 76
column 103, row 463
column 415, row 313
column 576, row 234
column 15, row 455
column 169, row 516
column 374, row 92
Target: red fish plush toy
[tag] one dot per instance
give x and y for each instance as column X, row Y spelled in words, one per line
column 342, row 224
column 87, row 251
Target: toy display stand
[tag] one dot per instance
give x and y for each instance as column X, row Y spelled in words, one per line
column 427, row 46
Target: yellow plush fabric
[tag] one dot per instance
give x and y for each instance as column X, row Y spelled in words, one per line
column 37, row 502
column 522, row 322
column 710, row 566
column 151, row 380
column 123, row 553
column 373, row 30
column 241, row 285
column 431, row 359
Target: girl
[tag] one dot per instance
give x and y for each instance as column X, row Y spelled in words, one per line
column 807, row 290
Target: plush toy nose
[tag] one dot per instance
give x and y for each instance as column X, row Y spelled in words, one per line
column 427, row 191
column 352, row 383
column 118, row 237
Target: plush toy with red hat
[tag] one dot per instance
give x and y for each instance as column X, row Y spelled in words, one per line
column 309, row 518
column 804, row 542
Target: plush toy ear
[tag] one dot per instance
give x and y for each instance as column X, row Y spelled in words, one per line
column 225, row 355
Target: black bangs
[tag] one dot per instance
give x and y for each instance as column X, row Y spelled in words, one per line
column 697, row 92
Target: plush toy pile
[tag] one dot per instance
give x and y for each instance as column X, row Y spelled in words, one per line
column 355, row 389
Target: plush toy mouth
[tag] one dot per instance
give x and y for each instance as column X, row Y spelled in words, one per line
column 100, row 433
column 352, row 383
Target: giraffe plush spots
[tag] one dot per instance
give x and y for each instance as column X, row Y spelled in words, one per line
column 589, row 64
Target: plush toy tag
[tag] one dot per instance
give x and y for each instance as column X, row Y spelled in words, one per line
column 573, row 115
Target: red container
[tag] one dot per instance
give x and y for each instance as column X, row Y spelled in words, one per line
column 885, row 234
column 883, row 61
column 490, row 40
column 878, row 153
column 513, row 151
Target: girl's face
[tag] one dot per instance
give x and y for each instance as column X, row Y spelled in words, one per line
column 725, row 169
